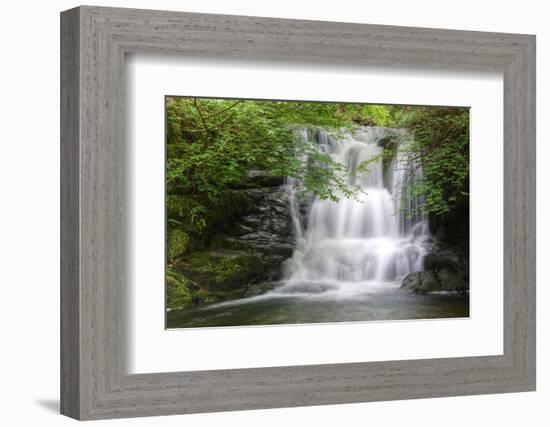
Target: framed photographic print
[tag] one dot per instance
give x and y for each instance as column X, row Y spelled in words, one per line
column 304, row 212
column 261, row 213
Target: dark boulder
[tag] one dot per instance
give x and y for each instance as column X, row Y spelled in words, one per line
column 265, row 230
column 439, row 262
column 421, row 282
column 441, row 274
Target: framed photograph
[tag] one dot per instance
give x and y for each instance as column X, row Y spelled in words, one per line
column 284, row 212
column 262, row 213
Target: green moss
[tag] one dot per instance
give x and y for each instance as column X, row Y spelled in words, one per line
column 177, row 243
column 223, row 270
column 217, row 276
column 177, row 290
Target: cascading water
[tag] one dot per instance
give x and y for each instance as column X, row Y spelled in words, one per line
column 375, row 238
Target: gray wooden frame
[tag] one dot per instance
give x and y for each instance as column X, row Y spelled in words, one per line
column 94, row 382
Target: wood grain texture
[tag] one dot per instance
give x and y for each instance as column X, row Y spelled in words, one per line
column 70, row 259
column 94, row 231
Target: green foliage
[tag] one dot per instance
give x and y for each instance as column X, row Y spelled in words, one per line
column 213, row 144
column 441, row 146
column 369, row 115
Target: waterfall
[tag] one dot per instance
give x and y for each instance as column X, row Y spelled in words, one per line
column 376, row 237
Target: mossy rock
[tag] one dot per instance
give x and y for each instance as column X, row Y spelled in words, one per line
column 178, row 243
column 178, row 294
column 220, row 275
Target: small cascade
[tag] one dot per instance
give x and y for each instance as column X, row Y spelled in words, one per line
column 378, row 237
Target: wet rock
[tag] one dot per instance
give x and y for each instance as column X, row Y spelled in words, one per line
column 441, row 274
column 248, row 251
column 440, row 262
column 453, row 282
column 421, row 282
column 265, row 230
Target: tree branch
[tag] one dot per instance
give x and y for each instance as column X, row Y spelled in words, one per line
column 203, row 121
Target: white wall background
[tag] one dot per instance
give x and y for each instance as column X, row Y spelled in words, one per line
column 29, row 215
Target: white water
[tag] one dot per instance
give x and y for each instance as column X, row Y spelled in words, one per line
column 356, row 246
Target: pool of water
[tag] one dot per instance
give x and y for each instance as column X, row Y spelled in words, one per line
column 375, row 303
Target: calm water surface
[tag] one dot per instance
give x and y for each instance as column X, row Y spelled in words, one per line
column 390, row 303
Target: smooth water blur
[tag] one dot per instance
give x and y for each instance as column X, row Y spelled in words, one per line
column 375, row 238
